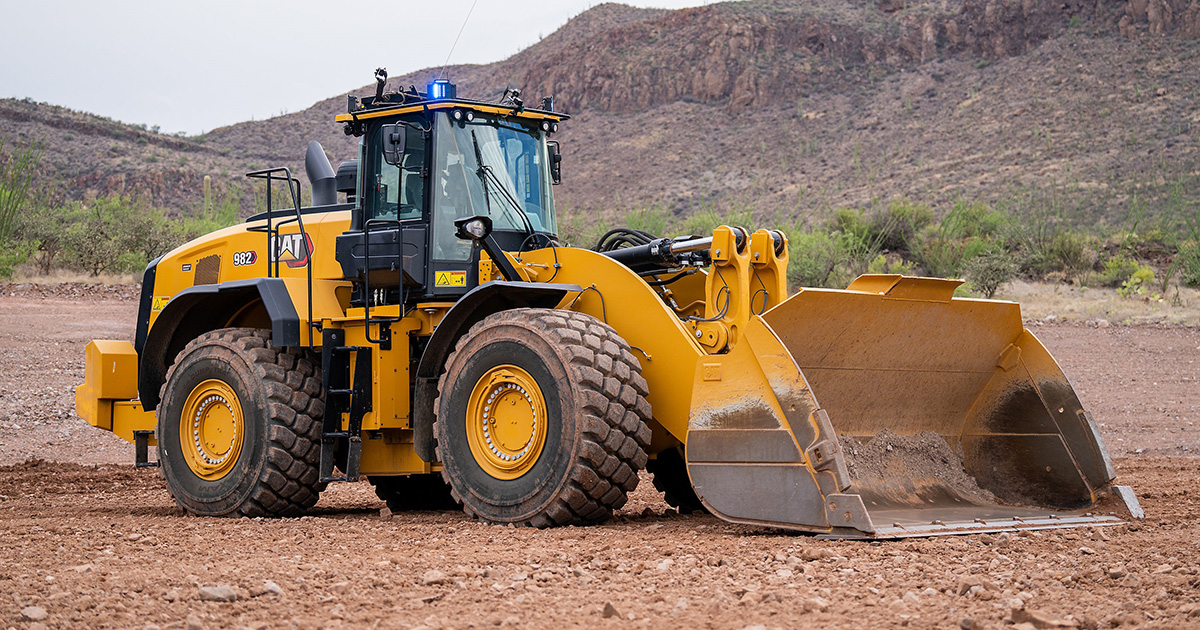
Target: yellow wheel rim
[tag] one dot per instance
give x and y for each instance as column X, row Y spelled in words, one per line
column 506, row 422
column 211, row 430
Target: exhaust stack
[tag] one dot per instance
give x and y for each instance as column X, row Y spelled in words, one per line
column 320, row 175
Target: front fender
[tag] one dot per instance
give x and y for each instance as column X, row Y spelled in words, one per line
column 477, row 304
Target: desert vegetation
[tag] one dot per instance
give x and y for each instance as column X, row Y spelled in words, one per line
column 987, row 244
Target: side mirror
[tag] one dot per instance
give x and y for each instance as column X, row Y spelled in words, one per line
column 393, row 137
column 555, row 161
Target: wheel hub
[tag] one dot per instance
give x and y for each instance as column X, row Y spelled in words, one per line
column 506, row 422
column 211, row 429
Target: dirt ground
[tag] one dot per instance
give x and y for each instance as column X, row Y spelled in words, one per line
column 88, row 541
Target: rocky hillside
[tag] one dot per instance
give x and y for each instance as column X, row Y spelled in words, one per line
column 780, row 107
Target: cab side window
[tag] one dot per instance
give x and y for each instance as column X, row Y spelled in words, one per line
column 399, row 191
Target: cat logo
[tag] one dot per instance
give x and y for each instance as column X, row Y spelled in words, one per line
column 450, row 279
column 293, row 249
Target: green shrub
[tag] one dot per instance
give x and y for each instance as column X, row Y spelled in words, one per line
column 968, row 230
column 1142, row 277
column 851, row 223
column 977, row 219
column 654, row 219
column 989, row 272
column 943, row 256
column 705, row 221
column 899, row 223
column 813, row 258
column 1069, row 252
column 1117, row 270
column 13, row 255
column 881, row 264
column 1188, row 262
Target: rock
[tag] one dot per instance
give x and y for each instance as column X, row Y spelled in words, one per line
column 173, row 595
column 969, row 624
column 37, row 625
column 192, row 622
column 34, row 613
column 811, row 554
column 929, row 592
column 385, row 513
column 433, row 576
column 609, row 611
column 784, row 573
column 340, row 587
column 218, row 594
column 750, row 597
column 755, row 627
column 1102, row 323
column 1116, row 573
column 971, row 581
column 1040, row 620
column 134, row 537
column 1087, row 551
column 911, row 598
column 817, row 604
column 82, row 568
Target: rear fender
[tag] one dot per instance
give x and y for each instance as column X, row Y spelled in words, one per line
column 203, row 308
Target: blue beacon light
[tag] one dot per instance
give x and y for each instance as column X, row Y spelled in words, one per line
column 440, row 89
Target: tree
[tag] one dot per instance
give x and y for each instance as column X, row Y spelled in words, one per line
column 16, row 174
column 117, row 234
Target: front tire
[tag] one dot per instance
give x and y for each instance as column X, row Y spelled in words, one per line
column 237, row 428
column 541, row 419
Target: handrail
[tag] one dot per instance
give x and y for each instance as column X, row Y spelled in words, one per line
column 366, row 230
column 272, row 229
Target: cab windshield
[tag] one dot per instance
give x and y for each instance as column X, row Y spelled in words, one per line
column 512, row 187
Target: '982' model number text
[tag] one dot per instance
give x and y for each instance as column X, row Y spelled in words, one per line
column 244, row 258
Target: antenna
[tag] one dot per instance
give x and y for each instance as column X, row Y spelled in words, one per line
column 440, row 74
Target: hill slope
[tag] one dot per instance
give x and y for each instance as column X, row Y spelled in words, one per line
column 780, row 107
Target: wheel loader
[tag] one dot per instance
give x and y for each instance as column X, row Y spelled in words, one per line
column 422, row 325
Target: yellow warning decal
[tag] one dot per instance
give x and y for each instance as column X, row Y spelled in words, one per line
column 450, row 279
column 159, row 302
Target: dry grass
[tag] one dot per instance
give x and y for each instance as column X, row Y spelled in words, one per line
column 64, row 276
column 1041, row 300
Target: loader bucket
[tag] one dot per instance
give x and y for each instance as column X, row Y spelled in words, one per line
column 891, row 409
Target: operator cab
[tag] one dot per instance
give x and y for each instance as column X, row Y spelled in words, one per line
column 429, row 159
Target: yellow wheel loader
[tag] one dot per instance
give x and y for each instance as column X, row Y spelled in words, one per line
column 431, row 333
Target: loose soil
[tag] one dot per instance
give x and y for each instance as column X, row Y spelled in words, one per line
column 926, row 455
column 89, row 541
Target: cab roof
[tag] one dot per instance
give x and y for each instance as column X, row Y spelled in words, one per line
column 367, row 110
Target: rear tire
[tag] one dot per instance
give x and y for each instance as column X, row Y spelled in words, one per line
column 414, row 492
column 670, row 477
column 541, row 419
column 237, row 428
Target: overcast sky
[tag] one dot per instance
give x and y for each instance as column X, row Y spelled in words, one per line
column 195, row 65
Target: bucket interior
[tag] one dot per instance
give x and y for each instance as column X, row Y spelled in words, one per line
column 946, row 410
